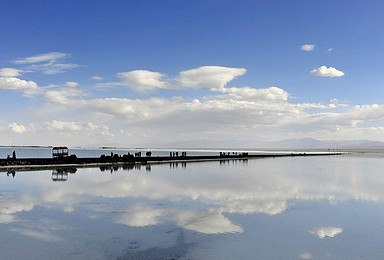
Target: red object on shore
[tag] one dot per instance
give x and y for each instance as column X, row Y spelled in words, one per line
column 59, row 151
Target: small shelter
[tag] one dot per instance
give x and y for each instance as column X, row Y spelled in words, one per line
column 59, row 152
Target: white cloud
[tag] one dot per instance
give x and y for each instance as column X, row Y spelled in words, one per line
column 213, row 77
column 144, row 80
column 47, row 63
column 77, row 127
column 97, row 78
column 10, row 72
column 308, row 47
column 52, row 67
column 71, row 84
column 330, row 49
column 235, row 110
column 323, row 71
column 14, row 127
column 252, row 94
column 51, row 56
column 10, row 83
column 232, row 114
column 65, row 96
column 323, row 232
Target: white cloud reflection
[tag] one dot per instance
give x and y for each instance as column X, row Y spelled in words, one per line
column 305, row 256
column 263, row 188
column 211, row 222
column 323, row 232
column 41, row 235
column 141, row 216
column 9, row 208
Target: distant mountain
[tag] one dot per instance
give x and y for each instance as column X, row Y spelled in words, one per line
column 316, row 144
column 303, row 143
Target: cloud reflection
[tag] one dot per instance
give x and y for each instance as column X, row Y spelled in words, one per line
column 268, row 186
column 141, row 216
column 211, row 222
column 305, row 256
column 323, row 232
column 36, row 234
column 9, row 208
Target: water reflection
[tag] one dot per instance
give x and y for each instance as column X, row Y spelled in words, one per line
column 210, row 204
column 61, row 174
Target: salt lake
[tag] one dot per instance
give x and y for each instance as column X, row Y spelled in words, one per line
column 327, row 207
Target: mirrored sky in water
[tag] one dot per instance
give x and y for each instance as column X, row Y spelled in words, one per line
column 277, row 208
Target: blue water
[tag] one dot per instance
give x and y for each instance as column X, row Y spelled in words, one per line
column 329, row 207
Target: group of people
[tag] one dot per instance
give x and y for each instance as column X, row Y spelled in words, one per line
column 176, row 154
column 224, row 154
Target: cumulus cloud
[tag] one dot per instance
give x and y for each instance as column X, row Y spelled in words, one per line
column 213, row 77
column 71, row 84
column 144, row 80
column 62, row 96
column 10, row 72
column 14, row 127
column 308, row 47
column 11, row 83
column 252, row 94
column 323, row 232
column 323, row 71
column 97, row 78
column 240, row 110
column 232, row 113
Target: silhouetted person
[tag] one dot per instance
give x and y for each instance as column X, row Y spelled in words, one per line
column 14, row 155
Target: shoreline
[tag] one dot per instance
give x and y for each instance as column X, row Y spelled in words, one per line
column 73, row 161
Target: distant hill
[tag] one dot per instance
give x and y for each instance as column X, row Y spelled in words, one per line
column 313, row 143
column 303, row 143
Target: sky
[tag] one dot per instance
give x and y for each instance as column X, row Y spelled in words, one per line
column 190, row 73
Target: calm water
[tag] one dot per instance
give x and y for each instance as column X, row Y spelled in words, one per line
column 276, row 208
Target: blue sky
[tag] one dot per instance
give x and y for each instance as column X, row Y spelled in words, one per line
column 161, row 73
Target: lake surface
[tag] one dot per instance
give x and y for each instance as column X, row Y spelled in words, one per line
column 327, row 207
